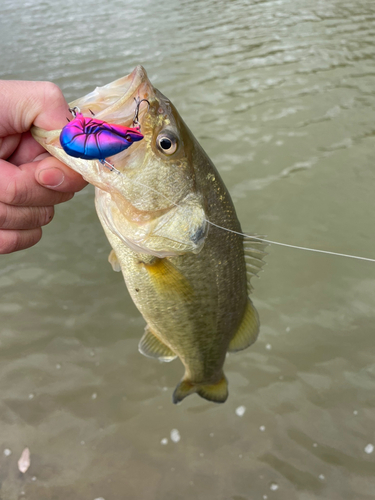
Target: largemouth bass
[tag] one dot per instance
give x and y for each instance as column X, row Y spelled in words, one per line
column 188, row 277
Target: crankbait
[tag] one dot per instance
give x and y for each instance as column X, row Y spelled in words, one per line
column 91, row 139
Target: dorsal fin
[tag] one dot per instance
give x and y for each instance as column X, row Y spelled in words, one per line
column 248, row 330
column 254, row 253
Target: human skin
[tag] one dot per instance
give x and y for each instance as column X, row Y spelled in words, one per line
column 32, row 182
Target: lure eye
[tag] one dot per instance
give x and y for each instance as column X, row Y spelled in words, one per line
column 166, row 143
column 128, row 138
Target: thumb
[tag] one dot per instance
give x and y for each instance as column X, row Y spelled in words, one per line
column 23, row 104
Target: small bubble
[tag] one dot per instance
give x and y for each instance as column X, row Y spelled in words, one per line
column 99, row 498
column 239, row 456
column 240, row 411
column 33, row 478
column 82, row 442
column 262, row 428
column 369, row 448
column 92, row 353
column 287, row 329
column 31, row 396
column 265, row 497
column 58, row 366
column 281, row 377
column 268, row 347
column 279, row 143
column 94, row 395
column 164, row 441
column 322, row 477
column 355, row 412
column 191, row 483
column 211, row 434
column 315, row 445
column 7, row 452
column 175, row 435
column 201, row 454
column 172, row 469
column 165, row 389
column 274, row 486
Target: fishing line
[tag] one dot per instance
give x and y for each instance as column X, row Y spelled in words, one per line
column 82, row 154
column 327, row 252
column 257, row 238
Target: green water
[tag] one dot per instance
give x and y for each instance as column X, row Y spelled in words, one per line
column 280, row 93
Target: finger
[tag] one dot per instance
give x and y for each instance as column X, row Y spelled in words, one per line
column 14, row 240
column 24, row 217
column 26, row 103
column 53, row 174
column 19, row 187
column 8, row 145
column 25, row 151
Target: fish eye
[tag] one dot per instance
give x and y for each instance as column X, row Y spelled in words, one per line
column 166, row 142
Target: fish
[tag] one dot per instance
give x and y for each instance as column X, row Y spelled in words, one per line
column 174, row 234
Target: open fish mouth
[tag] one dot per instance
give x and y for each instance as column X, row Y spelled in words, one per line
column 114, row 102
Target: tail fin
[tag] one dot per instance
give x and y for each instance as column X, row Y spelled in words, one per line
column 217, row 393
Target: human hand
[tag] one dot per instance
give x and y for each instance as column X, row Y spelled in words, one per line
column 31, row 181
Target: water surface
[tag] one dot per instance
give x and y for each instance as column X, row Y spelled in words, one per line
column 280, row 93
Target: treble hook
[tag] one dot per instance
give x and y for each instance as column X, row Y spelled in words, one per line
column 74, row 111
column 138, row 102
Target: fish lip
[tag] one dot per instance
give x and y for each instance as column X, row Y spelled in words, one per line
column 113, row 102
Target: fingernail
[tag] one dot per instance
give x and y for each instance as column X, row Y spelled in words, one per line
column 51, row 177
column 42, row 156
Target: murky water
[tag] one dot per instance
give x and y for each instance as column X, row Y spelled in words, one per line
column 281, row 95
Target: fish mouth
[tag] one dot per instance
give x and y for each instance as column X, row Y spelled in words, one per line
column 115, row 102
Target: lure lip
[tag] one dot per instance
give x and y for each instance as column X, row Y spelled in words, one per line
column 135, row 134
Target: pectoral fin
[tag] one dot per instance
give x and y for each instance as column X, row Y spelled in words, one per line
column 167, row 279
column 248, row 330
column 113, row 260
column 152, row 347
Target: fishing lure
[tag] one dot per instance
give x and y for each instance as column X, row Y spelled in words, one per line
column 91, row 139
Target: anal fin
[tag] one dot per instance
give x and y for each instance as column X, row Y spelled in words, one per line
column 152, row 347
column 248, row 330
